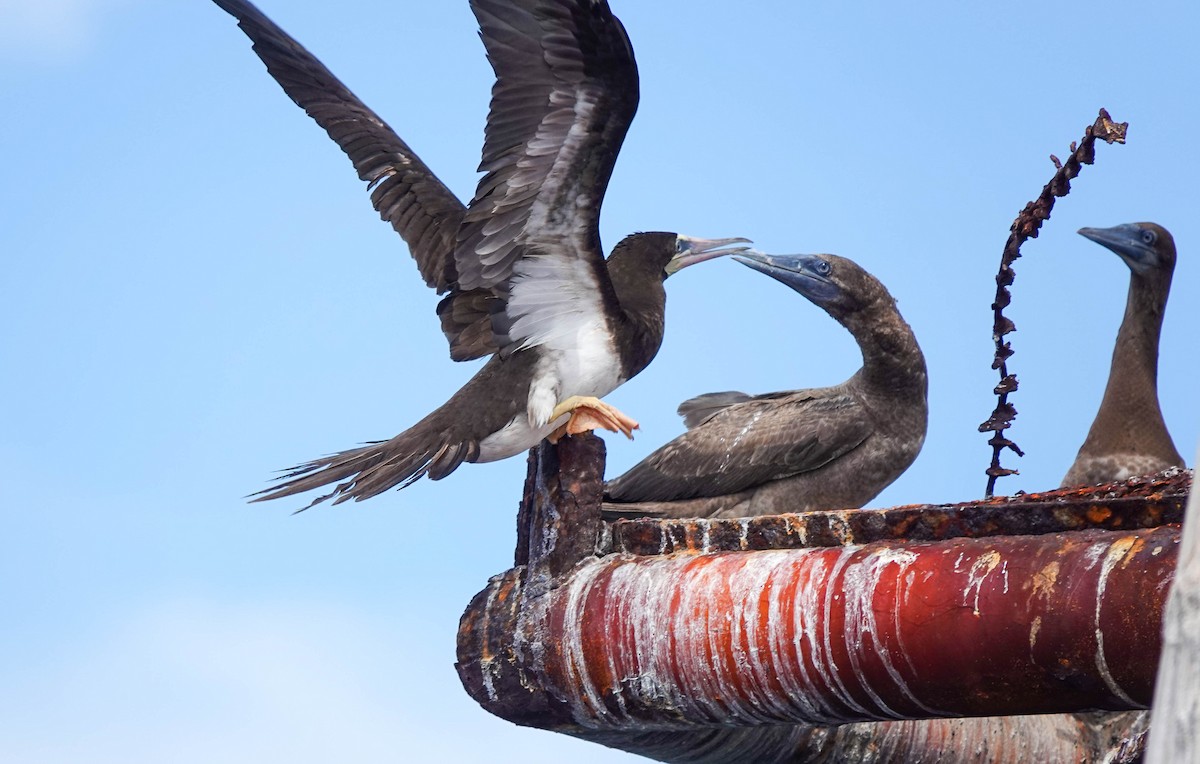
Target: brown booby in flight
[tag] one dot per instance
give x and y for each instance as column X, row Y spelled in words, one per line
column 826, row 448
column 521, row 265
column 1128, row 436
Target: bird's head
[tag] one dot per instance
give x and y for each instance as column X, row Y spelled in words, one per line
column 1145, row 247
column 838, row 285
column 673, row 252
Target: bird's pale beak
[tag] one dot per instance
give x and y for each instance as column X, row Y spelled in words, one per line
column 690, row 251
column 807, row 274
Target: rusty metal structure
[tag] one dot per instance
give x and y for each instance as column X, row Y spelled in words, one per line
column 829, row 636
column 1025, row 227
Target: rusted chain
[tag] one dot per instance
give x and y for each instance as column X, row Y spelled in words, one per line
column 1026, row 227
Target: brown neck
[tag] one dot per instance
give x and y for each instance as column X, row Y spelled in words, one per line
column 893, row 363
column 1130, row 418
column 638, row 322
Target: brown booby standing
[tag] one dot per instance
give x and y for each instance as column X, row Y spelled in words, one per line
column 1128, row 436
column 826, row 448
column 521, row 265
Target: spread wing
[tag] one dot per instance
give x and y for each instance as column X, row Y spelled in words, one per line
column 746, row 444
column 404, row 190
column 566, row 91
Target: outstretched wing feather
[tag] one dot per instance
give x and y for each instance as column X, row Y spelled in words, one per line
column 566, row 91
column 404, row 191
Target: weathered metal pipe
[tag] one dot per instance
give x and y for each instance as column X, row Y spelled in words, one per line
column 692, row 631
column 1006, row 625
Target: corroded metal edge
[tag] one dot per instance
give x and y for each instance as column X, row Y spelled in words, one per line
column 1142, row 502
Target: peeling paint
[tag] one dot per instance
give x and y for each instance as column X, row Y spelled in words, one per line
column 1134, row 550
column 1043, row 582
column 487, row 661
column 572, row 642
column 1095, row 553
column 826, row 635
column 980, row 570
column 862, row 584
column 1116, row 552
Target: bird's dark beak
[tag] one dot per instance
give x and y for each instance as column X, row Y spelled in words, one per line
column 807, row 274
column 1134, row 244
column 690, row 251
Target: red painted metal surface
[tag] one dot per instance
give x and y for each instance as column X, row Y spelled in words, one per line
column 710, row 644
column 884, row 631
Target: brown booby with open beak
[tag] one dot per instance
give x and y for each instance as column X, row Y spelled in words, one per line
column 522, row 267
column 826, row 448
column 1128, row 436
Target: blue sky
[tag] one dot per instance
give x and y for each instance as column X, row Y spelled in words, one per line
column 197, row 292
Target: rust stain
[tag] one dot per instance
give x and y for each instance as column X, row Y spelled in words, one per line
column 1122, row 549
column 1135, row 549
column 1098, row 514
column 977, row 575
column 1044, row 580
column 1142, row 502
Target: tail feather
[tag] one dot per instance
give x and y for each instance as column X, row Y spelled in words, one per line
column 371, row 469
column 449, row 456
column 400, row 469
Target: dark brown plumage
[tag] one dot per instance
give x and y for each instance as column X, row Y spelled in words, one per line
column 825, row 448
column 404, row 190
column 521, row 266
column 1129, row 436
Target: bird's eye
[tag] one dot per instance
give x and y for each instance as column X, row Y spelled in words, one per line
column 1148, row 237
column 823, row 267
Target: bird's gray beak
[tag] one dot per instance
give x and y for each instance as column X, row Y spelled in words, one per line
column 1128, row 241
column 690, row 251
column 807, row 274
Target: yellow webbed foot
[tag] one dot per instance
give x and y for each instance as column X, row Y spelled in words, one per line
column 588, row 413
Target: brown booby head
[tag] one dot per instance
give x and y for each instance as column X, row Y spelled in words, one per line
column 1129, row 436
column 1147, row 248
column 797, row 450
column 836, row 284
column 856, row 300
column 521, row 265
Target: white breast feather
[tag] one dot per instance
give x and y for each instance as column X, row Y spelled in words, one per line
column 554, row 301
column 577, row 358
